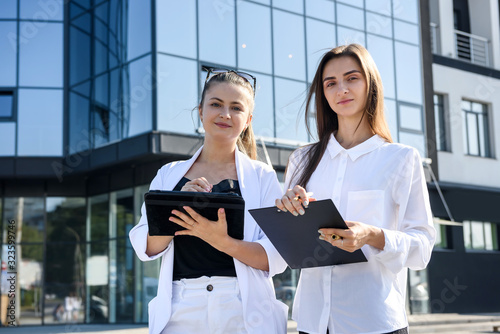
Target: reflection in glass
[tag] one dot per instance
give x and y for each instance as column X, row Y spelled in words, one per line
column 100, row 55
column 137, row 109
column 8, row 56
column 123, row 281
column 410, row 117
column 79, row 60
column 8, row 138
column 79, row 136
column 296, row 6
column 6, row 101
column 263, row 114
column 379, row 24
column 408, row 74
column 406, row 10
column 97, row 264
column 9, row 10
column 41, row 10
column 348, row 36
column 138, row 28
column 477, row 235
column 30, row 282
column 216, row 32
column 406, row 32
column 41, row 60
column 383, row 7
column 357, row 3
column 321, row 9
column 40, row 122
column 289, row 98
column 381, row 50
column 177, row 94
column 350, row 17
column 289, row 53
column 176, row 27
column 391, row 117
column 320, row 39
column 415, row 140
column 254, row 40
column 28, row 214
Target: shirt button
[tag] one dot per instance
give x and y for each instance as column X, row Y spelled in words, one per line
column 210, row 287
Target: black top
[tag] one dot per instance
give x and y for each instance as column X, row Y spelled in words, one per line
column 194, row 257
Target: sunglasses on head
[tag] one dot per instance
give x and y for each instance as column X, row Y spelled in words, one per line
column 247, row 76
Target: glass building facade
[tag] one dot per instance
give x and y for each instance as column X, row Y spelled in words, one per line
column 83, row 83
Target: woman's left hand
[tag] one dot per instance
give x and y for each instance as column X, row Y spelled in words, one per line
column 356, row 236
column 212, row 232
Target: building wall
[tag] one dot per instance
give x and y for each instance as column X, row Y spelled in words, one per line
column 456, row 165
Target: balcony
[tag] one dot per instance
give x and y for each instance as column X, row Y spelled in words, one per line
column 468, row 47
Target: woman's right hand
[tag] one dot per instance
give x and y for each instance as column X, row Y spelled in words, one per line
column 200, row 185
column 295, row 200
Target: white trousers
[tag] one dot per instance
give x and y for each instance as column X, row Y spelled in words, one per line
column 206, row 305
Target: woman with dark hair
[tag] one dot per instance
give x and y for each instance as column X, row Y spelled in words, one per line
column 210, row 282
column 379, row 188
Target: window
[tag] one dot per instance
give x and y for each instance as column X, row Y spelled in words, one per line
column 441, row 236
column 442, row 140
column 480, row 235
column 476, row 132
column 6, row 104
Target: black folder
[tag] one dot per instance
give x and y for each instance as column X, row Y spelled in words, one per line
column 297, row 239
column 159, row 206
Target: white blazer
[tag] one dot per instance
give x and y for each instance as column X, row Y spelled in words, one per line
column 259, row 187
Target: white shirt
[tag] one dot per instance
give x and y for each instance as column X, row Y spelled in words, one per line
column 380, row 184
column 259, row 186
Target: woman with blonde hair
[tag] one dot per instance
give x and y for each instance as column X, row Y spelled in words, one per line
column 210, row 282
column 378, row 187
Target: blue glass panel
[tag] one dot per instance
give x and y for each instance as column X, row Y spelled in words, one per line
column 101, row 11
column 138, row 82
column 40, row 122
column 6, row 100
column 406, row 32
column 357, row 3
column 406, row 10
column 75, row 10
column 348, row 36
column 41, row 10
column 100, row 57
column 138, row 28
column 254, row 40
column 79, row 135
column 8, row 139
column 296, row 6
column 321, row 9
column 289, row 53
column 381, row 50
column 379, row 24
column 176, row 27
column 79, row 60
column 9, row 9
column 83, row 22
column 263, row 114
column 83, row 89
column 8, row 55
column 320, row 39
column 41, row 57
column 289, row 97
column 408, row 73
column 350, row 17
column 115, row 105
column 264, row 2
column 177, row 94
column 83, row 3
column 101, row 112
column 217, row 32
column 410, row 117
column 391, row 117
column 383, row 7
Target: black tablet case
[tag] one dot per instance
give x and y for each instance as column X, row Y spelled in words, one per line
column 297, row 239
column 159, row 206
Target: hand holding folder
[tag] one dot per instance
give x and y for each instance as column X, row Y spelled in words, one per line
column 296, row 237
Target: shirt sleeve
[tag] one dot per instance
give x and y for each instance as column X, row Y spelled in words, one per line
column 411, row 244
column 271, row 190
column 139, row 234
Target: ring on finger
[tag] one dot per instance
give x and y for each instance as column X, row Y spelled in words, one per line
column 336, row 237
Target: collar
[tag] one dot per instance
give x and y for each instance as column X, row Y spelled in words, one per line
column 369, row 145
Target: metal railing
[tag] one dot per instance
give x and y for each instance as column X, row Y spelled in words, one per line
column 472, row 48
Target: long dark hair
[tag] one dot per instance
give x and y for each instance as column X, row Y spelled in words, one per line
column 326, row 118
column 246, row 141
